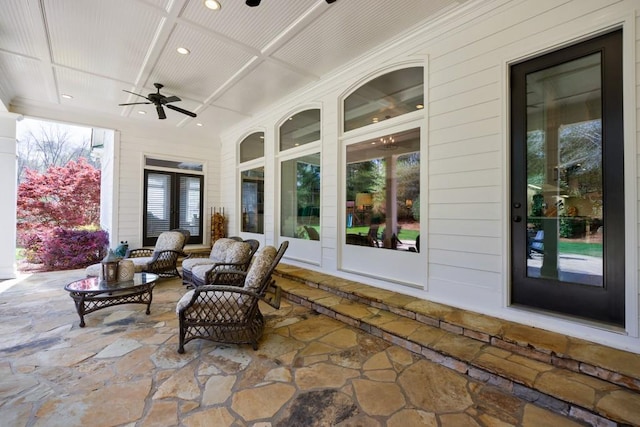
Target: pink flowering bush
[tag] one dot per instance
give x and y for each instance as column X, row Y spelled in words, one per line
column 68, row 249
column 65, row 197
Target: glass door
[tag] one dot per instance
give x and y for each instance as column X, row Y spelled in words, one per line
column 567, row 181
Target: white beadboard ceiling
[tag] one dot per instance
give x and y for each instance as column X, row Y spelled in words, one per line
column 242, row 58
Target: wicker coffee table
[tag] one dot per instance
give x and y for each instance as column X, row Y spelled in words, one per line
column 91, row 294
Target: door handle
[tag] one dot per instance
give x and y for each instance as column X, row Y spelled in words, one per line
column 517, row 218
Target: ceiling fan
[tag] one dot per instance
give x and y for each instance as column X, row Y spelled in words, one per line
column 159, row 101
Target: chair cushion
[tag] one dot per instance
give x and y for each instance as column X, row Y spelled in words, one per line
column 228, row 307
column 199, row 271
column 220, row 249
column 260, row 268
column 170, row 241
column 184, row 301
column 141, row 263
column 238, row 252
column 224, row 251
column 95, row 269
column 189, row 263
column 235, row 252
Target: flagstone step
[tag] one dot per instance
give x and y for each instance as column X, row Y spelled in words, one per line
column 592, row 383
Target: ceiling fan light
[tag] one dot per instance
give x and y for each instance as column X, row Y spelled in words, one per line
column 212, row 4
column 253, row 3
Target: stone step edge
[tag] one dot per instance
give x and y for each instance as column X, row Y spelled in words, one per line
column 536, row 351
column 549, row 398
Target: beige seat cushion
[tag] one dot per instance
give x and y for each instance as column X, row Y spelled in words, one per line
column 259, row 268
column 95, row 269
column 170, row 240
column 228, row 307
column 224, row 251
column 189, row 263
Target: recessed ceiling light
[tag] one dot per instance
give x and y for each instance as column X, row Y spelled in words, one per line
column 66, row 96
column 183, row 51
column 290, row 118
column 142, row 112
column 212, row 4
column 199, row 124
column 419, row 106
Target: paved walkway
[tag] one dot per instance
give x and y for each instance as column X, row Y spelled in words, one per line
column 310, row 370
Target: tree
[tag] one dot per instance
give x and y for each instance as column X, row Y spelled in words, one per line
column 45, row 144
column 408, row 183
column 67, row 197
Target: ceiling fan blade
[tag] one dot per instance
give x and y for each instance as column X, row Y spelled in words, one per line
column 180, row 110
column 133, row 93
column 161, row 114
column 135, row 103
column 171, row 99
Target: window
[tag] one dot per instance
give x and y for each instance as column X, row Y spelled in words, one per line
column 300, row 129
column 390, row 95
column 252, row 184
column 252, row 147
column 300, row 200
column 300, row 176
column 252, row 196
column 383, row 192
column 172, row 200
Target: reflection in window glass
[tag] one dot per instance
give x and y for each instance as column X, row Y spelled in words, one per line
column 391, row 95
column 252, row 147
column 300, row 200
column 252, row 196
column 148, row 161
column 300, row 129
column 383, row 192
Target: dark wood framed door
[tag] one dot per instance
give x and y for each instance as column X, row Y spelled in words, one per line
column 567, row 181
column 172, row 200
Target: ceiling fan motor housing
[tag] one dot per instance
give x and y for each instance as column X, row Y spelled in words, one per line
column 159, row 100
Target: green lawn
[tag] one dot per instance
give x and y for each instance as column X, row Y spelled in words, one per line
column 580, row 248
column 404, row 234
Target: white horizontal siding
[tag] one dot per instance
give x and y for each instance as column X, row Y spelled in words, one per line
column 467, row 277
column 473, row 178
column 471, row 130
column 464, row 147
column 466, row 260
column 466, row 211
column 465, row 181
column 477, row 244
column 465, row 163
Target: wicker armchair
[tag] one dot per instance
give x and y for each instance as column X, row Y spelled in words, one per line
column 229, row 313
column 226, row 254
column 163, row 258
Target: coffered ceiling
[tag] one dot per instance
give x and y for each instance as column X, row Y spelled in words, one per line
column 241, row 58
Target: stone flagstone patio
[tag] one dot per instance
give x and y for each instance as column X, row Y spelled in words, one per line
column 123, row 369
